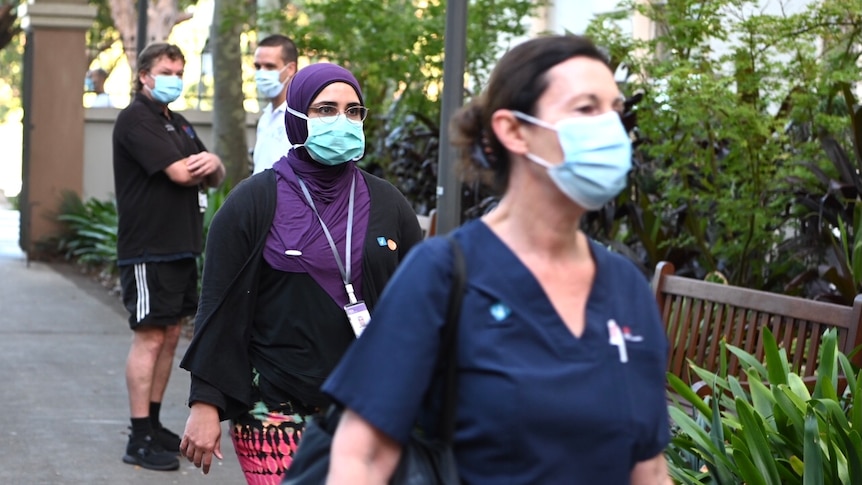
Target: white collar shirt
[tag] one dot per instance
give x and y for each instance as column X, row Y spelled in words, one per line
column 271, row 142
column 103, row 100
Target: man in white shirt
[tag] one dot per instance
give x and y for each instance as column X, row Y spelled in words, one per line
column 95, row 82
column 275, row 64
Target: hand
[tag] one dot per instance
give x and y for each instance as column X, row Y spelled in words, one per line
column 202, row 164
column 202, row 436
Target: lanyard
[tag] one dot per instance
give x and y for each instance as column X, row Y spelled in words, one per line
column 345, row 271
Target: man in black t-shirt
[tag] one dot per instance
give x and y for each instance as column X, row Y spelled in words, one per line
column 161, row 173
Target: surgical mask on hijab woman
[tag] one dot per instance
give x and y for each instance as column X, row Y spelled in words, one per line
column 336, row 138
column 330, row 134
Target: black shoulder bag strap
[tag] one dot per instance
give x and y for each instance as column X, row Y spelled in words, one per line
column 449, row 343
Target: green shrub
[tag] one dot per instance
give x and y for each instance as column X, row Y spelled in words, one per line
column 400, row 68
column 91, row 231
column 772, row 431
column 215, row 199
column 747, row 138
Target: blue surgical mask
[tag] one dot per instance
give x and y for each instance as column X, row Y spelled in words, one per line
column 597, row 157
column 89, row 85
column 269, row 84
column 332, row 142
column 166, row 89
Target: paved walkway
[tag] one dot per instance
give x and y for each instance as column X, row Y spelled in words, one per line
column 63, row 402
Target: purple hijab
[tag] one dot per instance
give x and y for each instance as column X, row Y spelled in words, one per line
column 295, row 227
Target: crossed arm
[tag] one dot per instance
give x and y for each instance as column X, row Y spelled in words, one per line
column 201, row 168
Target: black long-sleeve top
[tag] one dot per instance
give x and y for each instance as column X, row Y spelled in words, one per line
column 242, row 298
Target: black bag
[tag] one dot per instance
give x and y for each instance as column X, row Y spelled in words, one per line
column 423, row 461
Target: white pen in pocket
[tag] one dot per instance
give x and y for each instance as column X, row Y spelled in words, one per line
column 615, row 337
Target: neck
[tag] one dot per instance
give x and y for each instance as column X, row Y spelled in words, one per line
column 276, row 101
column 535, row 217
column 146, row 92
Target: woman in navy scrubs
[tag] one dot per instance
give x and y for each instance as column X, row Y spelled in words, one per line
column 561, row 353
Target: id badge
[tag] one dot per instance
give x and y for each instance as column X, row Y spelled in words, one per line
column 358, row 315
column 202, row 201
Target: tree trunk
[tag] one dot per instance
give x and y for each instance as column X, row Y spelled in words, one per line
column 228, row 109
column 8, row 27
column 162, row 16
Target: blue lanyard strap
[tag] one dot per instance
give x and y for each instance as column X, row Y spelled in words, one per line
column 344, row 270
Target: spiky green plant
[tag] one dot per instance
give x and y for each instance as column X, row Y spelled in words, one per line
column 91, row 231
column 770, row 428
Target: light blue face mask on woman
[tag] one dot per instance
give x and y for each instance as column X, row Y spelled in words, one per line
column 332, row 142
column 166, row 89
column 597, row 157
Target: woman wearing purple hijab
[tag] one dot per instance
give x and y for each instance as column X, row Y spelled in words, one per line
column 296, row 259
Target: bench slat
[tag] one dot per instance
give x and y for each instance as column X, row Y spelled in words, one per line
column 831, row 313
column 698, row 315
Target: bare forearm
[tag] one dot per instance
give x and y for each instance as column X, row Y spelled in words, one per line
column 202, row 168
column 361, row 454
column 651, row 472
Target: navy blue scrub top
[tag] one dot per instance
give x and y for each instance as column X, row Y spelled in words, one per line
column 535, row 403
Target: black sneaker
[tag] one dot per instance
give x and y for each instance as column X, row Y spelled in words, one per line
column 168, row 440
column 147, row 453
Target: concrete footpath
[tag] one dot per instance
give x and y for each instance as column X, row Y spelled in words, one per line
column 63, row 405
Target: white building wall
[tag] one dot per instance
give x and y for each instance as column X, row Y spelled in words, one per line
column 574, row 15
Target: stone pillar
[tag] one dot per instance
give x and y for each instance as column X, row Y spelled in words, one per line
column 53, row 155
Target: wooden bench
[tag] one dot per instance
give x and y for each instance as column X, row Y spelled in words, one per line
column 428, row 223
column 697, row 315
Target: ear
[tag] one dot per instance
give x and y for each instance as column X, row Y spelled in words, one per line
column 291, row 69
column 509, row 131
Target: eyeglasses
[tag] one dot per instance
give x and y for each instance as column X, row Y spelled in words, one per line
column 328, row 113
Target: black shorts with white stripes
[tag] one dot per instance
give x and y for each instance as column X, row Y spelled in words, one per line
column 160, row 293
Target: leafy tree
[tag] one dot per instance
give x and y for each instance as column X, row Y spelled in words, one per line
column 116, row 20
column 102, row 35
column 718, row 171
column 9, row 27
column 162, row 16
column 11, row 55
column 395, row 49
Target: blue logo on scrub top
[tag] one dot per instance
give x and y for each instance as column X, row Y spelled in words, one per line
column 500, row 311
